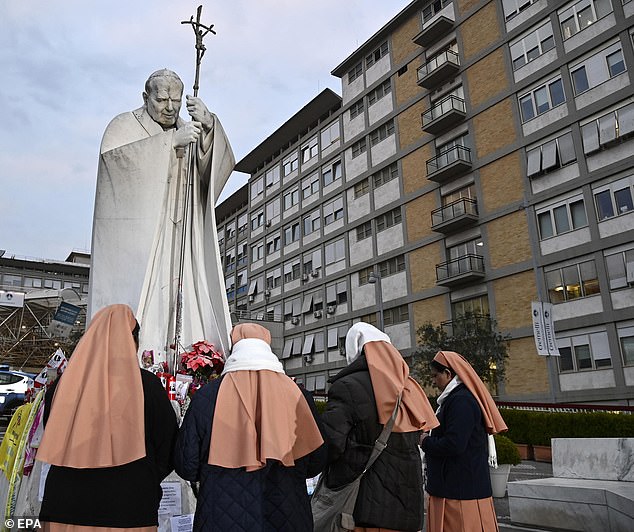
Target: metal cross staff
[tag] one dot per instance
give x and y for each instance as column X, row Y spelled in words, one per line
column 200, row 30
column 200, row 47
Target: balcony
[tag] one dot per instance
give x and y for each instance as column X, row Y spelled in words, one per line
column 454, row 216
column 444, row 114
column 461, row 270
column 449, row 163
column 434, row 30
column 440, row 68
column 467, row 325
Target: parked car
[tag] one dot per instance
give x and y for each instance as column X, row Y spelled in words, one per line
column 13, row 387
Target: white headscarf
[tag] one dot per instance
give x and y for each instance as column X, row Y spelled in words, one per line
column 358, row 335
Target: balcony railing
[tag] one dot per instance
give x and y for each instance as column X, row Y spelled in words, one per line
column 444, row 114
column 455, row 215
column 438, row 68
column 462, row 326
column 449, row 163
column 463, row 269
column 255, row 315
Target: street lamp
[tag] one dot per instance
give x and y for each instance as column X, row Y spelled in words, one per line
column 375, row 279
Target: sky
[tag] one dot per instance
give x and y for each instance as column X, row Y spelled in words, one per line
column 68, row 67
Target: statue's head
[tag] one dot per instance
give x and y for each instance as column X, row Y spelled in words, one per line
column 162, row 97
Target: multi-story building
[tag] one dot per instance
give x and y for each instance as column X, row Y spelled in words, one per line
column 480, row 158
column 31, row 292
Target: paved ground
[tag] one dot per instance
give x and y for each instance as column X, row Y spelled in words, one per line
column 526, row 470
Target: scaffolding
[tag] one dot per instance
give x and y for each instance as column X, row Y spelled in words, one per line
column 26, row 340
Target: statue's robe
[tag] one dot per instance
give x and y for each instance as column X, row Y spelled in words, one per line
column 137, row 230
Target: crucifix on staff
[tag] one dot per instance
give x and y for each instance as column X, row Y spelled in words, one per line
column 154, row 242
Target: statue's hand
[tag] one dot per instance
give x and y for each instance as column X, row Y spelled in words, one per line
column 186, row 134
column 199, row 112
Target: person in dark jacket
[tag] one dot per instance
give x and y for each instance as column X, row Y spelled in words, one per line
column 109, row 433
column 251, row 438
column 458, row 453
column 361, row 400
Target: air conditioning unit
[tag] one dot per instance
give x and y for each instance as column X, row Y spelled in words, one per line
column 268, row 223
column 305, row 277
column 314, row 273
column 267, row 293
column 330, row 309
column 317, row 314
column 308, row 358
column 294, row 320
column 251, row 299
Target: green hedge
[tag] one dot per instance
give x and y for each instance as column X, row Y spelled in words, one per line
column 537, row 428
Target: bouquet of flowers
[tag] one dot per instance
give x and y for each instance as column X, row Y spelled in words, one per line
column 203, row 363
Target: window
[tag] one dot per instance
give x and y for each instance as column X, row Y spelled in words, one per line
column 388, row 219
column 572, row 282
column 310, row 185
column 335, row 251
column 584, row 351
column 242, row 254
column 273, row 209
column 358, row 148
column 356, row 109
column 434, row 7
column 230, row 230
column 243, row 223
column 230, row 286
column 355, row 72
column 609, row 128
column 291, row 233
column 32, row 282
column 272, row 176
column 541, row 99
column 362, row 188
column 273, row 244
column 392, row 266
column 364, row 231
column 626, row 343
column 382, row 132
column 384, row 175
column 377, row 54
column 477, row 306
column 257, row 188
column 399, row 314
column 312, row 222
column 562, row 218
column 291, row 198
column 532, row 45
column 257, row 251
column 292, row 270
column 331, row 172
column 512, row 8
column 289, row 164
column 274, row 278
column 616, row 64
column 597, row 69
column 48, row 283
column 337, row 293
column 581, row 15
column 312, row 261
column 614, row 199
column 330, row 135
column 309, row 150
column 242, row 282
column 333, row 211
column 292, row 308
column 370, row 318
column 620, row 268
column 378, row 93
column 257, row 220
column 364, row 275
column 230, row 260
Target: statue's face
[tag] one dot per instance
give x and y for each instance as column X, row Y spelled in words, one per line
column 164, row 101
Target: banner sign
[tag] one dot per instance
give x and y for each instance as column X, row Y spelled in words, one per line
column 11, row 299
column 544, row 329
column 64, row 319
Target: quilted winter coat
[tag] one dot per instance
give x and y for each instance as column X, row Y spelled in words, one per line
column 391, row 491
column 273, row 498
